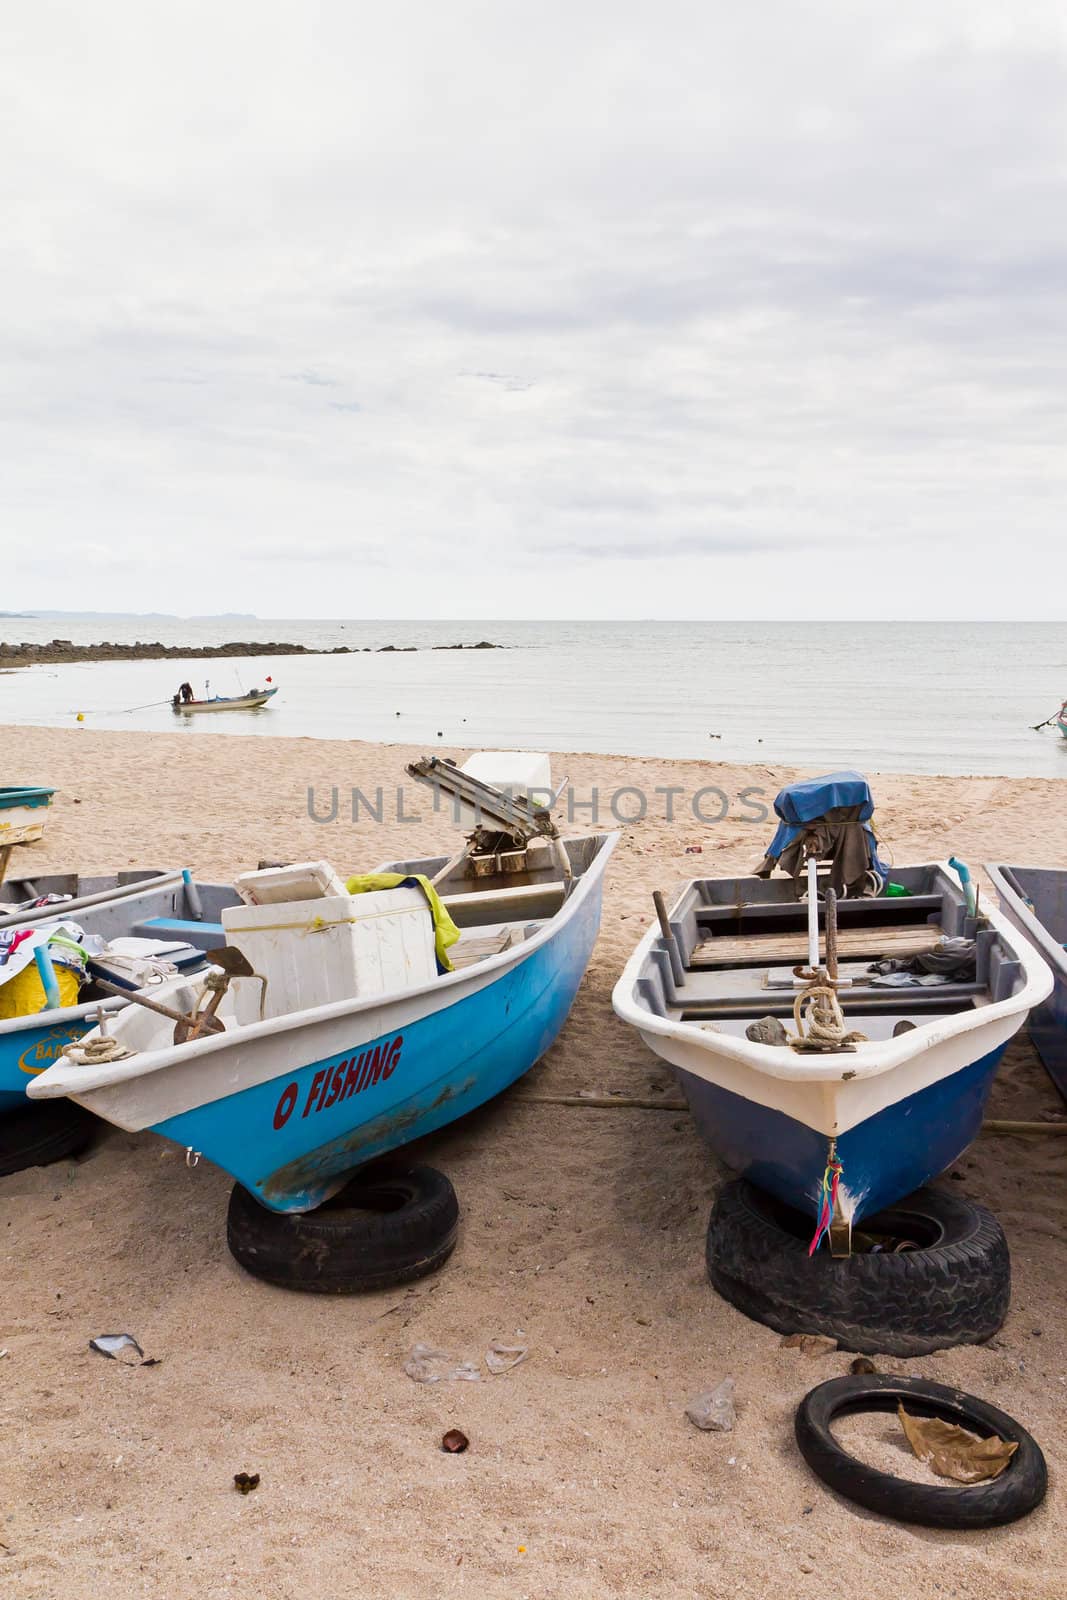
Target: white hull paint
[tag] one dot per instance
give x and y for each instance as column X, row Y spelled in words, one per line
column 154, row 1086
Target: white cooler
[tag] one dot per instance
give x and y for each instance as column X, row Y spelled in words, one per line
column 334, row 947
column 514, row 772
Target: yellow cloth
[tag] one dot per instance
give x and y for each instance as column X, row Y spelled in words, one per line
column 445, row 931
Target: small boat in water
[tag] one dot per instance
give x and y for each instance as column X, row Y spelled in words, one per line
column 344, row 1039
column 167, row 908
column 1057, row 719
column 220, row 702
column 1034, row 899
column 898, row 1020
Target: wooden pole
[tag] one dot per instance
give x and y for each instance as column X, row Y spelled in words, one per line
column 670, row 943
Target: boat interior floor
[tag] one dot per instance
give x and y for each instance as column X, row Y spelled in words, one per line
column 738, row 962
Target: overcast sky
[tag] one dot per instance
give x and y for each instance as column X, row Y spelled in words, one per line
column 591, row 308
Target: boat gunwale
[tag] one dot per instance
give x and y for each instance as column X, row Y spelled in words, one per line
column 60, row 909
column 65, row 1016
column 83, row 1079
column 1048, row 946
column 33, row 796
column 869, row 1060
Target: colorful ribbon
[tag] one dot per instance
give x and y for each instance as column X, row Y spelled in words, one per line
column 830, row 1181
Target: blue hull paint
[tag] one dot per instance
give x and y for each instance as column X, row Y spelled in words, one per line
column 883, row 1159
column 29, row 1050
column 448, row 1063
column 1048, row 1032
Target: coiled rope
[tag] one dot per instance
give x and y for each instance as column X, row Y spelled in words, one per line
column 818, row 1018
column 97, row 1052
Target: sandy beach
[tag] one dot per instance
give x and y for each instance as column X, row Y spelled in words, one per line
column 583, row 1228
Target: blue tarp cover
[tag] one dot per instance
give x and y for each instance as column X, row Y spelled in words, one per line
column 803, row 802
column 800, row 803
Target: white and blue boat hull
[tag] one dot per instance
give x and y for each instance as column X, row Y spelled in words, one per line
column 293, row 1105
column 884, row 1157
column 289, row 1139
column 891, row 1112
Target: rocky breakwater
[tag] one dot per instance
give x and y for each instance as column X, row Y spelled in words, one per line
column 63, row 650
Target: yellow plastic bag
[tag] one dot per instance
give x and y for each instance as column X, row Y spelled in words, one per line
column 23, row 995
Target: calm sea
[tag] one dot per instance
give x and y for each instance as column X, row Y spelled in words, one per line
column 945, row 697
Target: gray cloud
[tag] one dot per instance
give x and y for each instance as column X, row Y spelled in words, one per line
column 315, row 379
column 512, row 384
column 658, row 547
column 661, row 293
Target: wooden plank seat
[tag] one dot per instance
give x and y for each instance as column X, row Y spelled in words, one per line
column 526, row 902
column 946, row 997
column 777, row 949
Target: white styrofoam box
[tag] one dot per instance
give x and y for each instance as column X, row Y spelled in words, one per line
column 514, row 771
column 304, row 880
column 517, row 770
column 342, row 947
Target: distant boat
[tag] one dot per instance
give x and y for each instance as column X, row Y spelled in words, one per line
column 1058, row 717
column 222, row 702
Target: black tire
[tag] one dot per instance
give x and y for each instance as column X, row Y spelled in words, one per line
column 386, row 1226
column 954, row 1289
column 42, row 1131
column 1015, row 1493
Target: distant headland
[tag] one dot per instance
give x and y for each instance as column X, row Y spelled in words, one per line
column 59, row 651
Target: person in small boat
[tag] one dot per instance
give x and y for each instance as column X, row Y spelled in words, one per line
column 184, row 696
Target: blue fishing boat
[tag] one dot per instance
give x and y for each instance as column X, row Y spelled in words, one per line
column 837, row 1049
column 292, row 1103
column 167, row 907
column 1034, row 899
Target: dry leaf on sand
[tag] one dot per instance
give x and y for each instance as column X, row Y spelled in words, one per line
column 812, row 1344
column 952, row 1452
